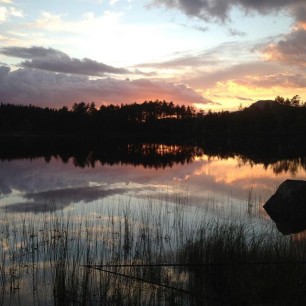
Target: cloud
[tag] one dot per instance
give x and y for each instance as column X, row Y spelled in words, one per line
column 196, row 27
column 6, row 12
column 220, row 9
column 285, row 80
column 25, row 86
column 52, row 200
column 188, row 60
column 3, row 14
column 112, row 2
column 299, row 11
column 86, row 194
column 16, row 13
column 234, row 32
column 57, row 61
column 234, row 72
column 290, row 50
column 212, row 57
column 233, row 97
column 89, row 23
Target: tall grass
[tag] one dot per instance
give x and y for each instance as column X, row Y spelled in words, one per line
column 155, row 254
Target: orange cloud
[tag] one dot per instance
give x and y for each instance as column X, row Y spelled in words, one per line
column 301, row 25
column 255, row 88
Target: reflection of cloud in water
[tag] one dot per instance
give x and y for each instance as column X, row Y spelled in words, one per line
column 231, row 178
column 52, row 200
column 36, row 176
column 4, row 187
column 206, row 176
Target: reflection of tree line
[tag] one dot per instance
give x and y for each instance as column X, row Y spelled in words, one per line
column 148, row 155
column 292, row 166
column 277, row 156
column 280, row 155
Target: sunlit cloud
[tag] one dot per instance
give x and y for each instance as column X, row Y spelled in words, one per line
column 203, row 65
column 291, row 49
column 239, row 71
column 255, row 89
column 57, row 22
column 108, row 35
column 48, row 21
column 284, row 80
column 28, row 86
column 7, row 12
column 112, row 2
column 301, row 25
column 233, row 97
column 3, row 14
column 207, row 53
column 15, row 12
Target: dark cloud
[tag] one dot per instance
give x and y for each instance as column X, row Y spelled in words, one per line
column 52, row 200
column 57, row 61
column 25, row 86
column 299, row 11
column 220, row 9
column 5, row 189
column 291, row 49
column 75, row 195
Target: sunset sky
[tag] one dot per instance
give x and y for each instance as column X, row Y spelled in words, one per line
column 212, row 54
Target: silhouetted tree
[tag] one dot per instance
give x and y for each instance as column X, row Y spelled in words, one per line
column 80, row 108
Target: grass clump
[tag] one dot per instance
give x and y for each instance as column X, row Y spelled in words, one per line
column 232, row 264
column 153, row 254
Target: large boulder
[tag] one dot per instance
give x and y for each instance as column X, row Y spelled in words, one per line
column 287, row 207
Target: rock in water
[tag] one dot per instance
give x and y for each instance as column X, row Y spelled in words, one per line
column 287, row 207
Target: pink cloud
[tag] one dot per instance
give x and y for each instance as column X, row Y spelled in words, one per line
column 25, row 86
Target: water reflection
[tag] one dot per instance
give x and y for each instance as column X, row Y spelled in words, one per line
column 293, row 166
column 140, row 170
column 52, row 200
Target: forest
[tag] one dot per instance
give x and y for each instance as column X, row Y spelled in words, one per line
column 157, row 121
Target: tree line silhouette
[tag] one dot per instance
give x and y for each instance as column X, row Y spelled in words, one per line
column 156, row 121
column 125, row 120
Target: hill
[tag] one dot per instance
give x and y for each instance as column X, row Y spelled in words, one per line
column 265, row 104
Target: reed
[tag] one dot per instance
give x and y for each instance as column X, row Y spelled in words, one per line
column 155, row 253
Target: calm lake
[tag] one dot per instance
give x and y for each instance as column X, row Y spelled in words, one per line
column 168, row 173
column 141, row 204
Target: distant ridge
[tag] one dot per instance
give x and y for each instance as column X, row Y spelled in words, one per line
column 264, row 104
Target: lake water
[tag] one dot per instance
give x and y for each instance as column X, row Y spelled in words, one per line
column 138, row 204
column 171, row 174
